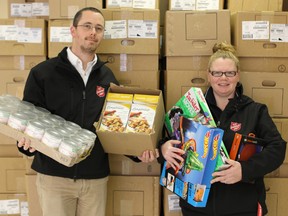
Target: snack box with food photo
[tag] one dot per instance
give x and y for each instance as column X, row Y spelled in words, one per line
column 193, row 105
column 135, row 121
column 201, row 145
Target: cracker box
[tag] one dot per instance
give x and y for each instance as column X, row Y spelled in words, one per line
column 193, row 105
column 201, row 144
column 131, row 143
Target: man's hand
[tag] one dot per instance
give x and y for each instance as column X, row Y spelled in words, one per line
column 25, row 144
column 149, row 156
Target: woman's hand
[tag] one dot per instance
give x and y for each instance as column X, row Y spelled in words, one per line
column 231, row 175
column 26, row 144
column 172, row 154
column 149, row 156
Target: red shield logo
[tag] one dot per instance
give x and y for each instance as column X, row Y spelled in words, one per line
column 235, row 126
column 100, row 91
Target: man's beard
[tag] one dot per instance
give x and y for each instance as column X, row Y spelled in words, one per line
column 90, row 49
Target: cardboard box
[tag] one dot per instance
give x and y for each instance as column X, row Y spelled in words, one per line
column 171, row 203
column 177, row 83
column 30, row 40
column 5, row 7
column 130, row 31
column 133, row 143
column 12, row 82
column 198, row 32
column 268, row 88
column 66, row 9
column 133, row 195
column 9, row 150
column 130, row 62
column 256, row 5
column 276, row 196
column 282, row 126
column 12, row 175
column 194, row 63
column 122, row 165
column 13, row 204
column 20, row 62
column 196, row 5
column 59, row 36
column 39, row 146
column 139, row 79
column 264, row 64
column 28, row 163
column 258, row 34
column 32, row 196
column 135, row 4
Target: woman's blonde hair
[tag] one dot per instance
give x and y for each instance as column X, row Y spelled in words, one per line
column 226, row 51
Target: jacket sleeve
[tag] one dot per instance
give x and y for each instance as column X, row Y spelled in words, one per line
column 272, row 155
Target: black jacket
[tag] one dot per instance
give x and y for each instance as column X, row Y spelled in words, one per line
column 57, row 86
column 244, row 116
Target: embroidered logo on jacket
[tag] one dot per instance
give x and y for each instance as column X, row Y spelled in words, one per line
column 235, row 126
column 100, row 91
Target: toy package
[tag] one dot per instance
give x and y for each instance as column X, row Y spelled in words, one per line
column 193, row 105
column 201, row 144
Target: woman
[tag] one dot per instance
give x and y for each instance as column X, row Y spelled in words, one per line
column 239, row 189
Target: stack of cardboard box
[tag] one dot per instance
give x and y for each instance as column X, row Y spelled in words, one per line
column 259, row 35
column 189, row 38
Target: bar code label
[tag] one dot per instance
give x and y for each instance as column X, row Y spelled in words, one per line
column 255, row 30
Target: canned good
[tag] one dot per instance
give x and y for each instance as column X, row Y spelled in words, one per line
column 25, row 105
column 19, row 120
column 71, row 126
column 88, row 136
column 69, row 147
column 35, row 128
column 83, row 144
column 52, row 138
column 58, row 120
column 4, row 114
column 63, row 131
column 41, row 111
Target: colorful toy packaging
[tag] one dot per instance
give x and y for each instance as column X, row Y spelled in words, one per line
column 201, row 144
column 191, row 122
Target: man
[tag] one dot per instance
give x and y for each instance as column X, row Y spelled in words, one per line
column 73, row 85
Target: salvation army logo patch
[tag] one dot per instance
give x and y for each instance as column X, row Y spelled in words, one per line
column 100, row 91
column 235, row 126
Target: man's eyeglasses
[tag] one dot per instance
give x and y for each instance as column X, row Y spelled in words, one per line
column 220, row 73
column 90, row 27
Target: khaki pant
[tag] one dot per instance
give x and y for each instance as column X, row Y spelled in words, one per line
column 66, row 197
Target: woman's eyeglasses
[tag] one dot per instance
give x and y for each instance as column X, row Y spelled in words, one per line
column 220, row 73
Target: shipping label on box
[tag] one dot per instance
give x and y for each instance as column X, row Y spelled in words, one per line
column 196, row 4
column 201, row 145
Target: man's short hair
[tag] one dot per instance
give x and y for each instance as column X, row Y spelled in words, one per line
column 78, row 15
